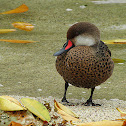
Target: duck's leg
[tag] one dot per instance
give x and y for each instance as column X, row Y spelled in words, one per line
column 89, row 101
column 64, row 97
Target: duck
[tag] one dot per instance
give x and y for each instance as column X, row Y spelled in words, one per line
column 84, row 60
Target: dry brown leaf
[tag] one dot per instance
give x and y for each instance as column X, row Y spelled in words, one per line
column 124, row 123
column 20, row 9
column 23, row 26
column 2, row 31
column 63, row 113
column 100, row 123
column 14, row 124
column 18, row 41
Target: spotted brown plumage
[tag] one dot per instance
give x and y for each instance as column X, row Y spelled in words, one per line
column 88, row 63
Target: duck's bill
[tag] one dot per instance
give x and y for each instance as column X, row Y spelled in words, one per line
column 67, row 46
column 59, row 52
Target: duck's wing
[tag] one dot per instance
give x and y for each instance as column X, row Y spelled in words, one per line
column 103, row 46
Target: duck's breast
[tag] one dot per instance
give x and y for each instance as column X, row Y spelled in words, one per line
column 83, row 67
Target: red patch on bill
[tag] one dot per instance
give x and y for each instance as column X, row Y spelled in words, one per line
column 70, row 44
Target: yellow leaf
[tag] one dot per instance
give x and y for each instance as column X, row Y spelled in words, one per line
column 66, row 116
column 118, row 60
column 11, row 99
column 17, row 41
column 100, row 123
column 66, row 113
column 36, row 108
column 8, row 103
column 23, row 26
column 65, row 109
column 6, row 30
column 20, row 9
column 116, row 41
column 122, row 113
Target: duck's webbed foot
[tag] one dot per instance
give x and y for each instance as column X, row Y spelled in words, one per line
column 90, row 103
column 67, row 103
column 64, row 100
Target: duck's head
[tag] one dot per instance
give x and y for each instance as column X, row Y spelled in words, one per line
column 81, row 34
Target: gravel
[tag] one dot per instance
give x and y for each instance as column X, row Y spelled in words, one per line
column 107, row 110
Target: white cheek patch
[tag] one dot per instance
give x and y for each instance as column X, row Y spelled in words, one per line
column 84, row 40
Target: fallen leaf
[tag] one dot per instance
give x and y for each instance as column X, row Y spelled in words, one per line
column 66, row 114
column 100, row 123
column 121, row 119
column 8, row 103
column 18, row 41
column 23, row 26
column 116, row 41
column 123, row 114
column 36, row 108
column 118, row 60
column 20, row 9
column 124, row 123
column 11, row 99
column 14, row 124
column 6, row 30
column 65, row 109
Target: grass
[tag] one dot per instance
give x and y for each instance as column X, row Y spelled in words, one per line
column 25, row 68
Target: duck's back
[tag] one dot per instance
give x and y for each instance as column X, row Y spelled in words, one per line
column 83, row 66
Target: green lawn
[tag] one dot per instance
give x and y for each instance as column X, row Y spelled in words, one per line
column 25, row 68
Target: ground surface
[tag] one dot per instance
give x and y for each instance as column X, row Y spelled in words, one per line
column 85, row 113
column 29, row 69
